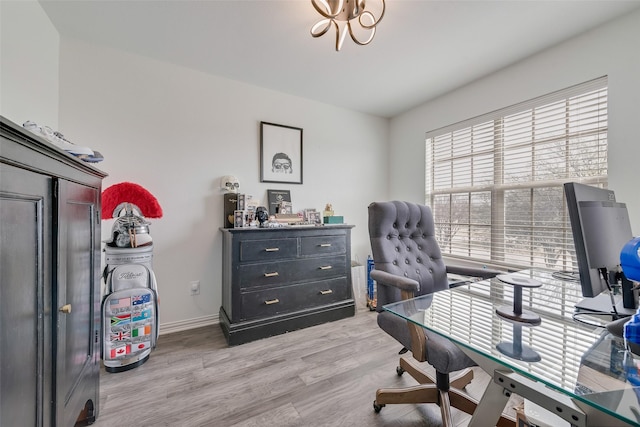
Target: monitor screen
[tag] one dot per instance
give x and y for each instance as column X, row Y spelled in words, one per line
column 600, row 228
column 607, row 229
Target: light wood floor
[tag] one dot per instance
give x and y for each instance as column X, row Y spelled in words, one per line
column 326, row 375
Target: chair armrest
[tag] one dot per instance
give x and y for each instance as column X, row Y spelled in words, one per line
column 400, row 282
column 484, row 273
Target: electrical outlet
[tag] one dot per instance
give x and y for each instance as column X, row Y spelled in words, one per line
column 195, row 287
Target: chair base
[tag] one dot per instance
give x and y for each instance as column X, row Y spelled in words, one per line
column 427, row 392
column 412, row 366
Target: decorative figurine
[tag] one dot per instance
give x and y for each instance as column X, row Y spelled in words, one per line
column 328, row 210
column 262, row 215
column 229, row 183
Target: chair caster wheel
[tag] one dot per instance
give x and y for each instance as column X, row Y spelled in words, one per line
column 399, row 371
column 377, row 407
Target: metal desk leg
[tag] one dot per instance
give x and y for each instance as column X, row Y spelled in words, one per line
column 494, row 399
column 576, row 413
column 553, row 401
column 506, row 382
column 489, row 407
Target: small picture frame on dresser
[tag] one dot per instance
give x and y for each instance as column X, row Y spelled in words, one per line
column 276, row 198
column 314, row 217
column 238, row 219
column 307, row 213
column 242, row 198
column 285, row 208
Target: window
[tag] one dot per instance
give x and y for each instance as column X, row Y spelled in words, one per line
column 494, row 182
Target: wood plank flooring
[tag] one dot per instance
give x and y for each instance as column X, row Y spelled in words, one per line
column 326, row 375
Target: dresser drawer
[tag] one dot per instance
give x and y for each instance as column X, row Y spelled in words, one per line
column 268, row 249
column 270, row 302
column 287, row 272
column 323, row 245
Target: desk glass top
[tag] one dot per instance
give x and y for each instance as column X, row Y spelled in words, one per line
column 584, row 362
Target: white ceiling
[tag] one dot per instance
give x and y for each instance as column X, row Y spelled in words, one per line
column 422, row 49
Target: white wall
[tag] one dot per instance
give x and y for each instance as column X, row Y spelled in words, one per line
column 613, row 50
column 29, row 45
column 177, row 131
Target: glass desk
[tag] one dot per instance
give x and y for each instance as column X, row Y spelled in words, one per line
column 574, row 370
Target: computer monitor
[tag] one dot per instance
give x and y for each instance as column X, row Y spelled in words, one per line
column 600, row 227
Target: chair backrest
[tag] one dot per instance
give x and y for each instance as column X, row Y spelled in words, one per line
column 403, row 243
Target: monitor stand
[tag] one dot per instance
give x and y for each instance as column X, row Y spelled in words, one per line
column 602, row 304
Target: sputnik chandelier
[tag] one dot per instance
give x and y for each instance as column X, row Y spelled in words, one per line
column 342, row 14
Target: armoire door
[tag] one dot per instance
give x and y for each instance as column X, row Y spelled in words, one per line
column 78, row 293
column 25, row 298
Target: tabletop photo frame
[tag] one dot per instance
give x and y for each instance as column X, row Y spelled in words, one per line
column 275, row 198
column 280, row 153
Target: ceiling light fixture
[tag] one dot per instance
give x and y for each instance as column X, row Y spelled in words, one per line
column 341, row 14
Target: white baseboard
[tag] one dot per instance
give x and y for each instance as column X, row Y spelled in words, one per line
column 183, row 325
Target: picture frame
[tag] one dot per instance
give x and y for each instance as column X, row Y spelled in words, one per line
column 285, row 208
column 281, row 158
column 314, row 217
column 308, row 213
column 275, row 199
column 238, row 219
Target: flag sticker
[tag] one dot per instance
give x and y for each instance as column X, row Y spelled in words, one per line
column 141, row 345
column 120, row 351
column 141, row 315
column 141, row 331
column 140, row 299
column 120, row 303
column 120, row 336
column 120, row 319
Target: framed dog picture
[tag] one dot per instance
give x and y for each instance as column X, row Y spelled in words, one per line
column 280, row 153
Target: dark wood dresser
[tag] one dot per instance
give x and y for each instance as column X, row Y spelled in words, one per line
column 276, row 280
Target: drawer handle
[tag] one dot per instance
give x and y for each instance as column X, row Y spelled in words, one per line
column 326, row 267
column 272, row 301
column 274, row 274
column 325, row 245
column 272, row 249
column 326, row 292
column 66, row 309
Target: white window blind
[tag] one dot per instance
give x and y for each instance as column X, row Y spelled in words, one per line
column 495, row 182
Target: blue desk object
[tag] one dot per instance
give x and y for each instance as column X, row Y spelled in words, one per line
column 582, row 373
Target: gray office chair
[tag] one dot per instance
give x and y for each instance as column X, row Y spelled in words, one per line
column 408, row 263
